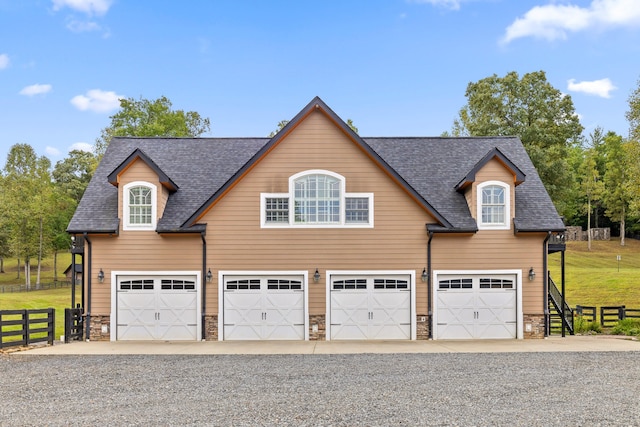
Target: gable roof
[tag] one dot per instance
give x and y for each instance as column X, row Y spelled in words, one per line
column 139, row 154
column 494, row 153
column 428, row 169
column 316, row 104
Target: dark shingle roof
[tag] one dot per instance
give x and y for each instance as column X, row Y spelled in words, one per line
column 429, row 168
column 198, row 166
column 434, row 166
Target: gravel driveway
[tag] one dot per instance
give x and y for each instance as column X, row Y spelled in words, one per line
column 532, row 389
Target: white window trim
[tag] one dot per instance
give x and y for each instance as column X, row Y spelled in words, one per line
column 518, row 288
column 126, row 224
column 291, row 197
column 506, row 225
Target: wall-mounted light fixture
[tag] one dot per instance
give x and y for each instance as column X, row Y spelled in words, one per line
column 424, row 276
column 532, row 274
column 316, row 276
column 100, row 276
column 209, row 275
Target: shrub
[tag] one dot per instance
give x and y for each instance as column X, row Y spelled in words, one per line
column 629, row 327
column 583, row 326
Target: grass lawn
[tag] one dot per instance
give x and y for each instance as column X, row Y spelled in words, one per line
column 59, row 299
column 592, row 277
column 10, row 275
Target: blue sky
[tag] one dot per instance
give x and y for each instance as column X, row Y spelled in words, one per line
column 395, row 67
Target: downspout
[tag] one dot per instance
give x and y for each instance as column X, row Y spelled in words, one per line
column 204, row 283
column 88, row 315
column 429, row 309
column 545, row 283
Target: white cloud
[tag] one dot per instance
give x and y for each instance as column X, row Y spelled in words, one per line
column 36, row 89
column 83, row 26
column 81, row 146
column 601, row 88
column 52, row 151
column 97, row 100
column 90, row 7
column 4, row 61
column 555, row 21
column 449, row 4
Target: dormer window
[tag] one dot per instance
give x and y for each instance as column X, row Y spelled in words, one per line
column 494, row 209
column 317, row 198
column 139, row 200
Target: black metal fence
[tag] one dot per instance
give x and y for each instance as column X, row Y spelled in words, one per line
column 41, row 286
column 73, row 324
column 25, row 327
column 609, row 315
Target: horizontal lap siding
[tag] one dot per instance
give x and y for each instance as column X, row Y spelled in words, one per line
column 139, row 250
column 397, row 242
column 495, row 250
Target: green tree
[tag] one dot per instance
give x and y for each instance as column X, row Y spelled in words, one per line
column 616, row 181
column 26, row 190
column 151, row 118
column 72, row 174
column 531, row 108
column 591, row 185
column 633, row 115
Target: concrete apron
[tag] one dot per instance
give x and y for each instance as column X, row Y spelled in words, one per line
column 552, row 344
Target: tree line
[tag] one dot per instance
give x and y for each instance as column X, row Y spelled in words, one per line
column 592, row 178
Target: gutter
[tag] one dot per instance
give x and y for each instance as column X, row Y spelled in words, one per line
column 90, row 272
column 204, row 284
column 429, row 308
column 545, row 284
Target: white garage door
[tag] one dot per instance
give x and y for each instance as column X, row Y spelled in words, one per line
column 157, row 308
column 370, row 307
column 264, row 308
column 476, row 306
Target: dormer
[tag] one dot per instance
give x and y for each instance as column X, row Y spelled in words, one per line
column 489, row 189
column 143, row 190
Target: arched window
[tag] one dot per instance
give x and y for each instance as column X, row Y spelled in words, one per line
column 139, row 206
column 493, row 205
column 317, row 198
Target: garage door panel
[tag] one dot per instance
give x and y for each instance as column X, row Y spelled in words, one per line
column 352, row 331
column 461, row 331
column 156, row 308
column 272, row 309
column 242, row 332
column 496, row 330
column 481, row 306
column 378, row 307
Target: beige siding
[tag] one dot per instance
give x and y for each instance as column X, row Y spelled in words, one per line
column 398, row 241
column 235, row 240
column 495, row 250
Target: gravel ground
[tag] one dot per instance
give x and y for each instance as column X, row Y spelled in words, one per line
column 532, row 389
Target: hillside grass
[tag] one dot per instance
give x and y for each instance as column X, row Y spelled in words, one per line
column 10, row 275
column 59, row 298
column 592, row 277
